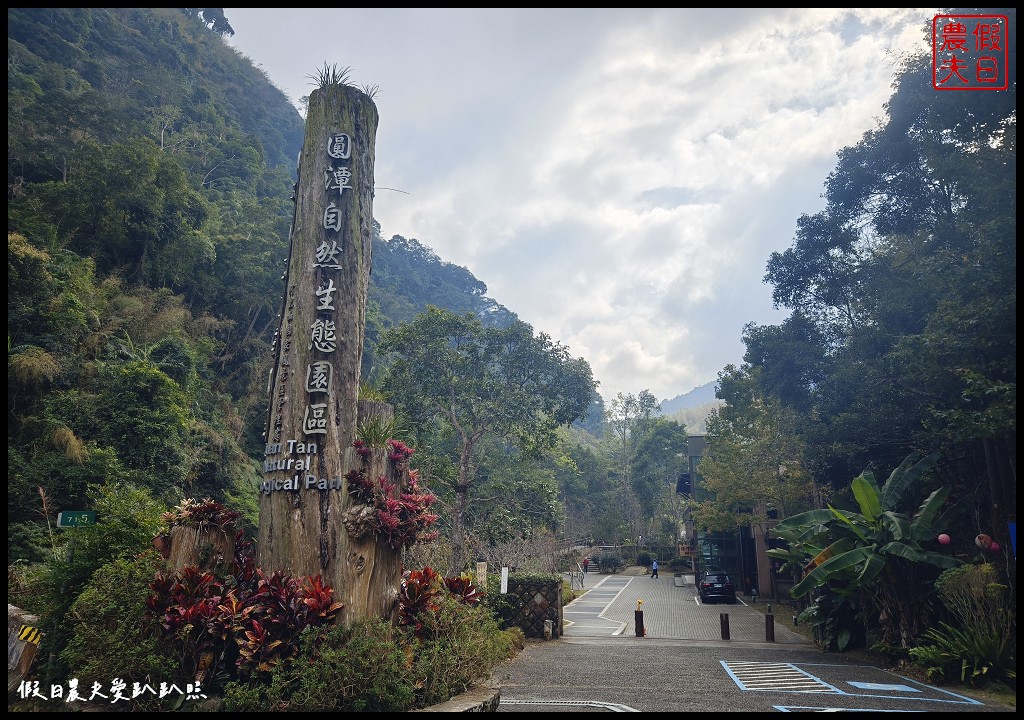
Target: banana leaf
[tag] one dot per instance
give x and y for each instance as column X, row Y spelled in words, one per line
column 865, row 490
column 922, row 527
column 904, row 476
column 830, row 569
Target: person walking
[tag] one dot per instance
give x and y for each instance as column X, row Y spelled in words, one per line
column 586, row 564
column 654, row 569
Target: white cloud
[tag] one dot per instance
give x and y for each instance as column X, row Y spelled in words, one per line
column 616, row 177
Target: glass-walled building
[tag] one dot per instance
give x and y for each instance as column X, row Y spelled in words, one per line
column 731, row 551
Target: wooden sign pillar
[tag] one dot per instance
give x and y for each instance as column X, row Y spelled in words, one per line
column 314, row 384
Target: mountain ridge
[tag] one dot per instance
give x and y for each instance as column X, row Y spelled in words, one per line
column 700, row 395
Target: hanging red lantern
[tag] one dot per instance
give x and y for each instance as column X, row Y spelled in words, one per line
column 944, row 539
column 983, row 541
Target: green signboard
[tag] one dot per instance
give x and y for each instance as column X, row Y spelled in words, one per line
column 76, row 518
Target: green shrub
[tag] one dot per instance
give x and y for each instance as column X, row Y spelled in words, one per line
column 112, row 637
column 461, row 645
column 127, row 517
column 500, row 606
column 362, row 668
column 982, row 646
column 373, row 666
column 452, row 642
column 609, row 563
column 836, row 621
column 678, row 564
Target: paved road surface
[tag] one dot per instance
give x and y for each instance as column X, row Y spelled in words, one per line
column 601, row 665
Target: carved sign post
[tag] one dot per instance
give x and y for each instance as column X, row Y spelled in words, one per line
column 305, row 502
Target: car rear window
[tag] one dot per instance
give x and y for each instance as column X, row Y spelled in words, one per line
column 717, row 578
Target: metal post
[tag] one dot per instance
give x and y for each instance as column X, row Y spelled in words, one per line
column 724, row 618
column 769, row 627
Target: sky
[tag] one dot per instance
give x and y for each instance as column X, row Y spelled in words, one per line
column 618, row 177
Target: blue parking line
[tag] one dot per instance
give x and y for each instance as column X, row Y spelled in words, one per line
column 758, row 676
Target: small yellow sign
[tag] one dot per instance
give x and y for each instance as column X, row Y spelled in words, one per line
column 29, row 634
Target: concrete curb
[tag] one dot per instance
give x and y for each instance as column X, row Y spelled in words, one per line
column 484, row 697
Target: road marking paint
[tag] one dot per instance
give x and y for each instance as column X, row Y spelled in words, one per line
column 883, row 686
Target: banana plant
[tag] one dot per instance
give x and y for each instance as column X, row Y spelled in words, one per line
column 875, row 553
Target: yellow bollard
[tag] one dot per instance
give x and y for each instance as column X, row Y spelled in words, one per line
column 638, row 617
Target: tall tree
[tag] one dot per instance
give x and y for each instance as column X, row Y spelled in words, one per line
column 476, row 383
column 659, row 457
column 753, row 466
column 630, row 417
column 903, row 336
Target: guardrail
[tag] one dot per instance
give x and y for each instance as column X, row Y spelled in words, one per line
column 576, row 578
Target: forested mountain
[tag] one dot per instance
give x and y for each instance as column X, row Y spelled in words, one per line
column 692, row 409
column 698, row 396
column 150, row 170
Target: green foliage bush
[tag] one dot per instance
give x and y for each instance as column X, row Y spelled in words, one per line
column 126, row 520
column 461, row 645
column 500, row 606
column 609, row 563
column 362, row 668
column 981, row 646
column 111, row 634
column 373, row 666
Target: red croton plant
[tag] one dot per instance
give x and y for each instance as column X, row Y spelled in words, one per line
column 251, row 619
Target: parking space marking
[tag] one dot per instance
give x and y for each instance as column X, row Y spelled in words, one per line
column 756, row 676
column 781, row 677
column 883, row 686
column 610, row 707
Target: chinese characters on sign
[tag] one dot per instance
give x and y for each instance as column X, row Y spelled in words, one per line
column 970, row 52
column 323, row 332
column 323, row 337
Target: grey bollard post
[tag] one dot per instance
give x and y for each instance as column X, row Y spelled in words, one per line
column 724, row 617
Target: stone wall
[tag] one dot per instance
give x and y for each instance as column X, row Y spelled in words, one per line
column 532, row 600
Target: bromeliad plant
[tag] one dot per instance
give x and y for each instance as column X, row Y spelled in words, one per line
column 875, row 556
column 203, row 513
column 402, row 516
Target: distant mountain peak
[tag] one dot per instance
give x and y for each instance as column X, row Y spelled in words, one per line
column 700, row 395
